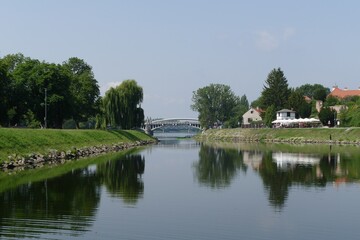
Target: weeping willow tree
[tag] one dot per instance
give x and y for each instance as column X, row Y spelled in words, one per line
column 121, row 105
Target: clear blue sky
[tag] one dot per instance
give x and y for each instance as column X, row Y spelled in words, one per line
column 173, row 47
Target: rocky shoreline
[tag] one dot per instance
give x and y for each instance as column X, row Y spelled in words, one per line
column 334, row 136
column 292, row 141
column 35, row 160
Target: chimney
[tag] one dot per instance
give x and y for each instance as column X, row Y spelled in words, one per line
column 345, row 88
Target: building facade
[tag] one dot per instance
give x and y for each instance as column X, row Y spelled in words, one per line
column 285, row 114
column 251, row 116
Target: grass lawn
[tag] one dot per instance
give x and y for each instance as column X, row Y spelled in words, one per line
column 26, row 141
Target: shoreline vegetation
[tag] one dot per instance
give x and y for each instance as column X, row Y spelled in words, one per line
column 31, row 148
column 284, row 135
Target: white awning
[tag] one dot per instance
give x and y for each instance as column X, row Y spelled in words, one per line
column 300, row 120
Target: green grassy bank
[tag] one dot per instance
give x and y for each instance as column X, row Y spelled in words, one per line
column 26, row 141
column 296, row 135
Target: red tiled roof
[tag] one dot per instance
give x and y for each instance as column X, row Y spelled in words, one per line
column 340, row 93
column 259, row 110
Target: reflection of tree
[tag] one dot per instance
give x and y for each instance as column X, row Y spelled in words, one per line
column 218, row 166
column 277, row 181
column 66, row 203
column 122, row 177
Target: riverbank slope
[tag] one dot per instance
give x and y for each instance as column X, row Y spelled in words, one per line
column 43, row 141
column 293, row 135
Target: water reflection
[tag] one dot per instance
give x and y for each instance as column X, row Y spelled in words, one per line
column 122, row 177
column 278, row 169
column 66, row 205
column 43, row 207
column 218, row 166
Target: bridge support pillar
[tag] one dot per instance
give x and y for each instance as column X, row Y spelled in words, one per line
column 148, row 130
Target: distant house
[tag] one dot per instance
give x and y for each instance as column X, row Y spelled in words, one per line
column 340, row 94
column 343, row 93
column 307, row 99
column 338, row 108
column 285, row 114
column 252, row 115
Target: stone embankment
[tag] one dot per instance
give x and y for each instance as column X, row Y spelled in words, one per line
column 309, row 136
column 34, row 160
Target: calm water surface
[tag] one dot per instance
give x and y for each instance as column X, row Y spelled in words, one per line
column 181, row 189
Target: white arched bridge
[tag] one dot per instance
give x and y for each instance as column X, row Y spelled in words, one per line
column 151, row 125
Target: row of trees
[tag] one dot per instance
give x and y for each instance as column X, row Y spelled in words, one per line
column 277, row 95
column 217, row 104
column 31, row 90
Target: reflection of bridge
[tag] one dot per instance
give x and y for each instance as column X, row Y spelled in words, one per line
column 151, row 125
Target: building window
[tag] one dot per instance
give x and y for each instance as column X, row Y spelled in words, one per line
column 288, row 114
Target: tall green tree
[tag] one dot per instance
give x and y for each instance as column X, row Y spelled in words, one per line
column 241, row 107
column 131, row 95
column 84, row 89
column 297, row 103
column 31, row 78
column 350, row 116
column 327, row 116
column 270, row 115
column 214, row 103
column 276, row 90
column 4, row 83
column 122, row 105
column 315, row 91
column 9, row 100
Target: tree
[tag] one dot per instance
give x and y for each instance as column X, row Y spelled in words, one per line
column 331, row 101
column 270, row 115
column 4, row 83
column 326, row 116
column 72, row 91
column 315, row 91
column 256, row 103
column 31, row 78
column 276, row 91
column 122, row 105
column 214, row 103
column 299, row 105
column 8, row 100
column 350, row 117
column 320, row 94
column 241, row 107
column 84, row 89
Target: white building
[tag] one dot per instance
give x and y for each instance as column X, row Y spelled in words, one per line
column 252, row 115
column 285, row 114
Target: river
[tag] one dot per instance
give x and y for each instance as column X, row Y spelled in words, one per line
column 182, row 189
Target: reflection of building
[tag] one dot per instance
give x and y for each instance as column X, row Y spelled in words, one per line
column 253, row 159
column 286, row 160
